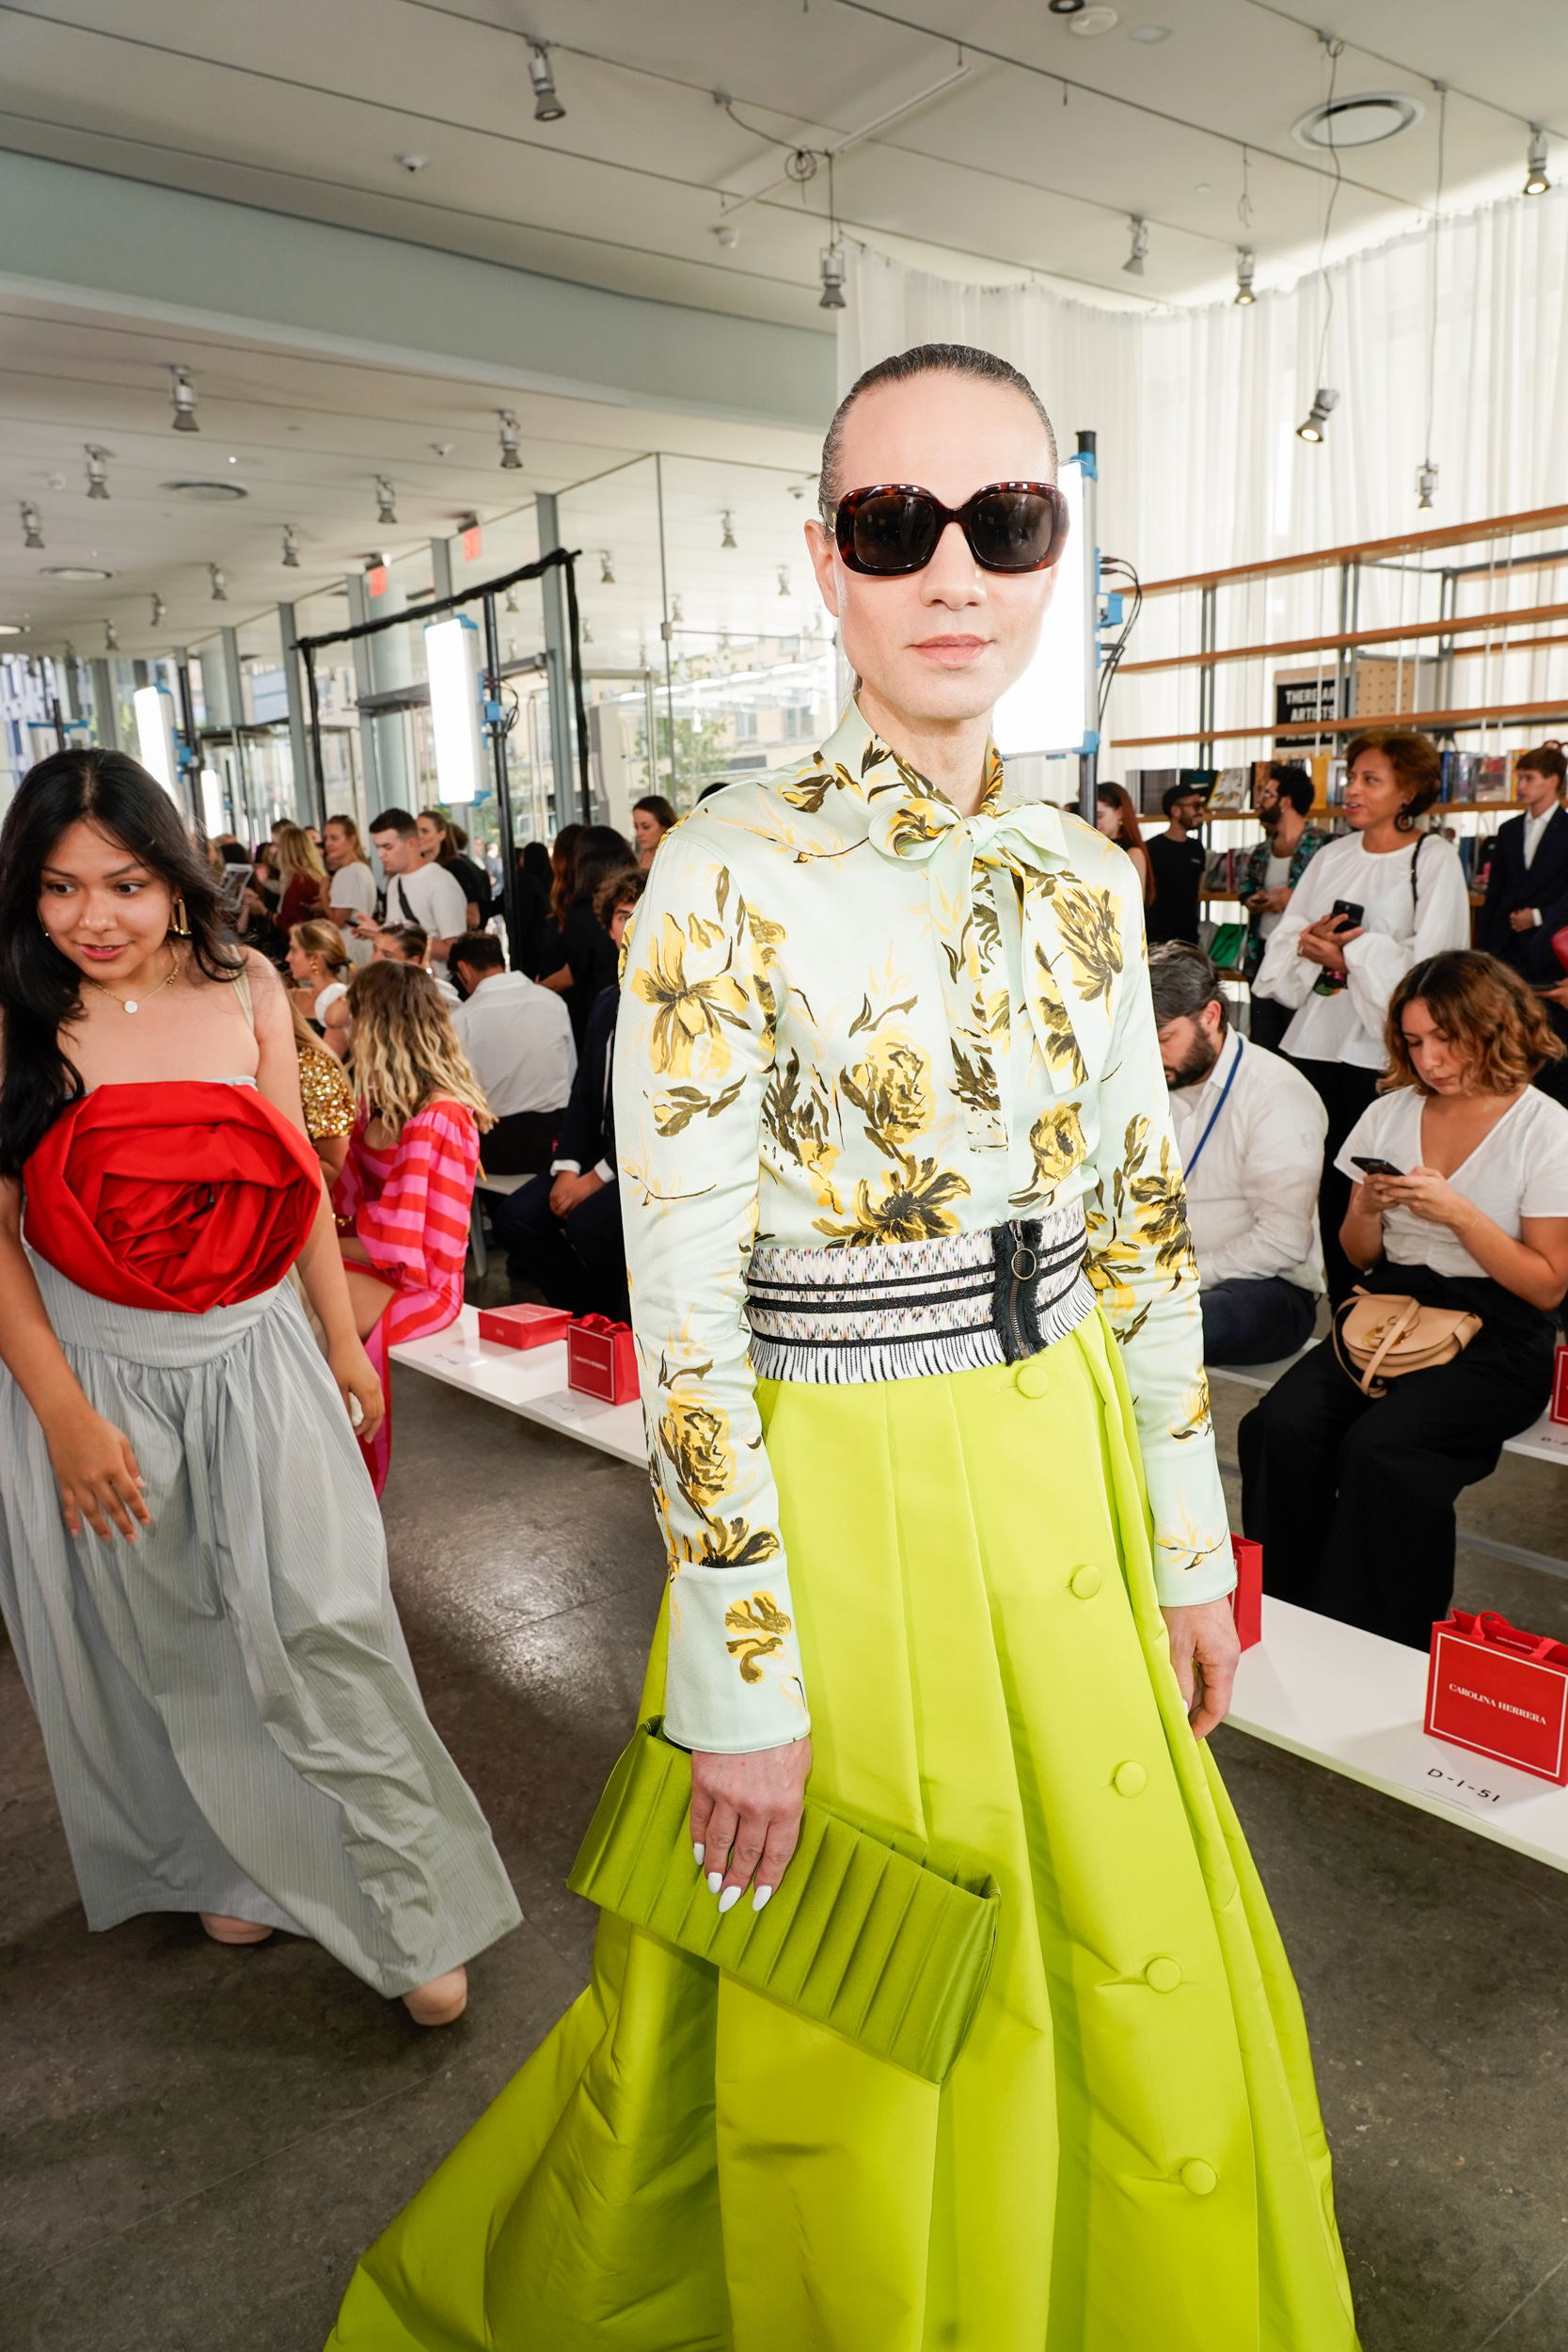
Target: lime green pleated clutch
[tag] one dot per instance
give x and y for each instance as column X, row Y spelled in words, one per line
column 875, row 1936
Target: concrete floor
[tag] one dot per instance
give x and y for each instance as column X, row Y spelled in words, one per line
column 199, row 2142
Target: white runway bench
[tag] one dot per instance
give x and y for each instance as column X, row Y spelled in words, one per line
column 1339, row 1697
column 1544, row 1440
column 530, row 1382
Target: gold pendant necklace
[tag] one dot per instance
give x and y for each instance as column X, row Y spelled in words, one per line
column 133, row 1004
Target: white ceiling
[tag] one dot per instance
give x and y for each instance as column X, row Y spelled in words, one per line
column 1030, row 161
column 305, row 435
column 304, row 106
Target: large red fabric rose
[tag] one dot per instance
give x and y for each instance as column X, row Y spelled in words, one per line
column 182, row 1195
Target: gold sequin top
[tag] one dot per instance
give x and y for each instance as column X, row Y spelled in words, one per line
column 325, row 1092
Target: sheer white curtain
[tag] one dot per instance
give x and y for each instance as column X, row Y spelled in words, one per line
column 1195, row 413
column 1196, row 410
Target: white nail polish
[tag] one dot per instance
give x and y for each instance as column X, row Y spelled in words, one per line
column 697, row 1855
column 763, row 1896
column 729, row 1899
column 715, row 1881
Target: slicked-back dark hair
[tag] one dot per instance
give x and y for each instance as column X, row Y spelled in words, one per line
column 41, row 990
column 924, row 360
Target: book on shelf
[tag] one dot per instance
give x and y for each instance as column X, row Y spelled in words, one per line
column 1233, row 791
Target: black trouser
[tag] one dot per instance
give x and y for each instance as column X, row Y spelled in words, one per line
column 578, row 1261
column 1256, row 1320
column 1345, row 1089
column 1351, row 1498
column 1267, row 1023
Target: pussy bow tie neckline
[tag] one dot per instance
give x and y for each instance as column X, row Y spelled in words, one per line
column 1026, row 839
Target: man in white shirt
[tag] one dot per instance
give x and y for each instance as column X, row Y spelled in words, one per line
column 352, row 885
column 519, row 1040
column 1250, row 1132
column 416, row 893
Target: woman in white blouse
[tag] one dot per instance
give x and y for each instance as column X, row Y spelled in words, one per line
column 1351, row 1497
column 1372, row 903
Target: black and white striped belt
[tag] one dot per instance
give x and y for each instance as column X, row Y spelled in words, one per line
column 903, row 1310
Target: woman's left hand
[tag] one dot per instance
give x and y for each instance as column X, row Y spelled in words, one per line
column 1426, row 1195
column 1324, row 943
column 355, row 1375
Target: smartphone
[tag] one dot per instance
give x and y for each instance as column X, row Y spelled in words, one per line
column 1375, row 1168
column 1346, row 910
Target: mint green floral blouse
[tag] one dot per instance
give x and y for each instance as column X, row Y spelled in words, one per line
column 849, row 1015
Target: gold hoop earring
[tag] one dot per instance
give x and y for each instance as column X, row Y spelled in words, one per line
column 178, row 921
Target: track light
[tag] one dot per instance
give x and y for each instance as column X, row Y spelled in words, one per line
column 587, row 632
column 512, row 600
column 607, row 568
column 547, row 105
column 98, row 472
column 111, row 638
column 783, row 580
column 676, row 615
column 159, row 609
column 728, row 540
column 1536, row 181
column 1247, row 261
column 1134, row 264
column 1311, row 427
column 1426, row 485
column 832, row 279
column 181, row 391
column 291, row 549
column 32, row 525
column 511, row 459
column 385, row 511
column 220, row 587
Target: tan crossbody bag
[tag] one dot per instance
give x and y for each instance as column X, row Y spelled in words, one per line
column 1380, row 1335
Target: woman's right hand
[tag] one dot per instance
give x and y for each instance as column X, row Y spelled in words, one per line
column 97, row 1475
column 746, row 1818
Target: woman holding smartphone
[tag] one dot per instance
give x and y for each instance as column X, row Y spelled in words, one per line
column 1372, row 903
column 1459, row 1199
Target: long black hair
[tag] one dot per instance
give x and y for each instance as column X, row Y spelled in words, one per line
column 41, row 990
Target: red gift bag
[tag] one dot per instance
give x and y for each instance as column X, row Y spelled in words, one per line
column 1247, row 1601
column 1560, row 1386
column 523, row 1327
column 601, row 1360
column 1499, row 1692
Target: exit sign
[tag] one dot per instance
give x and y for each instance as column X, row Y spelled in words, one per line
column 470, row 544
column 375, row 581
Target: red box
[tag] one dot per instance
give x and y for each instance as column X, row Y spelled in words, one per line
column 1499, row 1692
column 601, row 1360
column 1247, row 1601
column 1560, row 1386
column 523, row 1327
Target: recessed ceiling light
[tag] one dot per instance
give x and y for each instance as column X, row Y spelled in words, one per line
column 207, row 493
column 1200, row 187
column 76, row 571
column 1150, row 34
column 1093, row 20
column 1359, row 121
column 11, row 629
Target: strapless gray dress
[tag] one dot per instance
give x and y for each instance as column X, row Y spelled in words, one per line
column 231, row 1719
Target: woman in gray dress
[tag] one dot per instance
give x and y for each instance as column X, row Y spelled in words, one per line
column 192, row 1564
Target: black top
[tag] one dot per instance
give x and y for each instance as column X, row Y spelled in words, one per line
column 588, row 947
column 1177, row 870
column 474, row 883
column 588, row 1130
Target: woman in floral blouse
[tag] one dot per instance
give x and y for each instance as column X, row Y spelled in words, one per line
column 917, row 1320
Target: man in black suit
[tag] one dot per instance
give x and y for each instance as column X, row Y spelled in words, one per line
column 1526, row 891
column 561, row 1232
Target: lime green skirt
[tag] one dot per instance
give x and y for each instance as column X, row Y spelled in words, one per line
column 1128, row 2155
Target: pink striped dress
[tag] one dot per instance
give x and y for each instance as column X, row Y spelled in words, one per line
column 411, row 1203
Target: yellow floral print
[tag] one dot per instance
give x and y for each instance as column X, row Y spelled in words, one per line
column 1057, row 1140
column 893, row 1088
column 689, row 1014
column 851, row 1017
column 912, row 1204
column 756, row 1628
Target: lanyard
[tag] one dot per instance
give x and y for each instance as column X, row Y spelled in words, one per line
column 1214, row 1113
